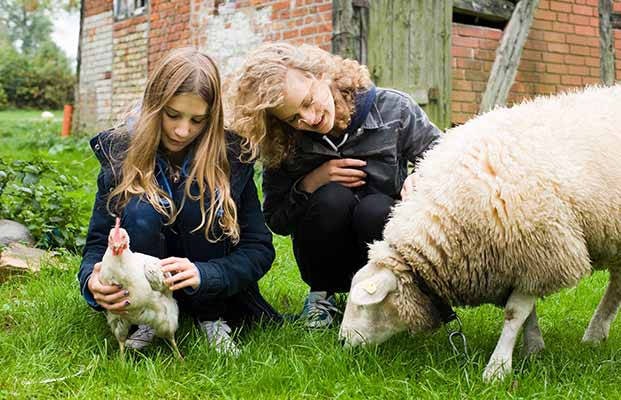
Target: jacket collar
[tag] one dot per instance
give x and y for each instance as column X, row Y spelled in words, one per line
column 365, row 101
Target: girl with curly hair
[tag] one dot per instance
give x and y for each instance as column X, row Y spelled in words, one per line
column 173, row 174
column 335, row 152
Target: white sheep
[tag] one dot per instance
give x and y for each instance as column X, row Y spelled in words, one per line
column 514, row 205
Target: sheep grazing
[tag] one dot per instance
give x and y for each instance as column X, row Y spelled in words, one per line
column 514, row 205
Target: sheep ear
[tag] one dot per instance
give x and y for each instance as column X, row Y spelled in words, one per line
column 374, row 289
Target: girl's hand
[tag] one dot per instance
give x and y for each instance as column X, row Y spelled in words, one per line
column 408, row 187
column 341, row 170
column 111, row 297
column 184, row 273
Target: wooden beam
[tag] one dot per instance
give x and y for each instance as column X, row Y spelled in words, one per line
column 606, row 43
column 494, row 10
column 508, row 55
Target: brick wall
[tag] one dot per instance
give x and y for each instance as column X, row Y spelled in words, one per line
column 561, row 52
column 94, row 7
column 169, row 27
column 129, row 69
column 228, row 30
column 95, row 80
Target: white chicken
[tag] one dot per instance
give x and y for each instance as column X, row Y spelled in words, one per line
column 151, row 301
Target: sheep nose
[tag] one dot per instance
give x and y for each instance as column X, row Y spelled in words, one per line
column 343, row 342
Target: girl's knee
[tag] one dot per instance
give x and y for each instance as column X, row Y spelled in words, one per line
column 330, row 208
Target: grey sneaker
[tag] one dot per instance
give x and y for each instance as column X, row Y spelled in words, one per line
column 141, row 339
column 319, row 310
column 219, row 337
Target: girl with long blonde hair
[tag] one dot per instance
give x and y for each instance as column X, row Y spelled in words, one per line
column 335, row 151
column 173, row 174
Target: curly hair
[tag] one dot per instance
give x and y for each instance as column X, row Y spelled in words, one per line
column 260, row 86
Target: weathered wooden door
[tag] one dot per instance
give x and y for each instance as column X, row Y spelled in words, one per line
column 409, row 48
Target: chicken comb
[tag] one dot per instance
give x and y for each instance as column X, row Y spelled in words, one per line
column 117, row 225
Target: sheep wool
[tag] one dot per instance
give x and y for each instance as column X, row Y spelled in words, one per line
column 524, row 199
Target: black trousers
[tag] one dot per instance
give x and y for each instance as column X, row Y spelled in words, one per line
column 331, row 243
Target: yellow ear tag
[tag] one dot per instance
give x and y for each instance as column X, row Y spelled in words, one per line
column 371, row 288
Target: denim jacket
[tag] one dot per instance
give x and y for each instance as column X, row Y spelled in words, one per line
column 226, row 269
column 395, row 130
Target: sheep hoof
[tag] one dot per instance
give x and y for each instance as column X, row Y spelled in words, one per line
column 496, row 371
column 533, row 346
column 594, row 339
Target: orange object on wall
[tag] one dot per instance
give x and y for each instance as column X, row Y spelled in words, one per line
column 68, row 110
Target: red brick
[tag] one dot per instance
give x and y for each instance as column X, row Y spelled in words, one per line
column 579, row 20
column 571, row 80
column 562, row 27
column 558, row 47
column 553, row 58
column 545, row 15
column 462, row 52
column 558, row 6
column 585, row 30
column 554, row 37
column 465, row 41
column 584, row 10
column 557, row 68
column 574, row 60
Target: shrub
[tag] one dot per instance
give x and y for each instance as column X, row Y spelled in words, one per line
column 40, row 80
column 4, row 100
column 37, row 195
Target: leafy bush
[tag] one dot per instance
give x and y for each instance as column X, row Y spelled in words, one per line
column 4, row 100
column 40, row 80
column 36, row 194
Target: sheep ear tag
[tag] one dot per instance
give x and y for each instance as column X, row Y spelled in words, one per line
column 374, row 289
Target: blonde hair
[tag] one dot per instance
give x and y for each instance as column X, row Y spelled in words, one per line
column 182, row 71
column 260, row 87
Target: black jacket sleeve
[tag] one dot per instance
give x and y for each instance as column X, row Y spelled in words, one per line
column 418, row 133
column 96, row 240
column 283, row 203
column 248, row 260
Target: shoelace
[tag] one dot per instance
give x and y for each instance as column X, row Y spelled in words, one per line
column 322, row 306
column 218, row 331
column 144, row 333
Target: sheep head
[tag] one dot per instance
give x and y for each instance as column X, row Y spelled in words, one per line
column 118, row 240
column 385, row 300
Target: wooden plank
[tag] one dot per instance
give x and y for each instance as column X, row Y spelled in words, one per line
column 494, row 10
column 409, row 50
column 508, row 55
column 350, row 22
column 606, row 43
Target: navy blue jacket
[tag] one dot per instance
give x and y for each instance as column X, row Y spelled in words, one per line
column 226, row 269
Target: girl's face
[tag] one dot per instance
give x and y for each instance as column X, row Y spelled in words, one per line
column 308, row 103
column 183, row 119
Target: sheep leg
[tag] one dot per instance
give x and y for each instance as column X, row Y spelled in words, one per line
column 532, row 337
column 518, row 308
column 606, row 311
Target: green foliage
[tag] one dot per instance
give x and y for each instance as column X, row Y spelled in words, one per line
column 36, row 194
column 4, row 100
column 39, row 80
column 26, row 23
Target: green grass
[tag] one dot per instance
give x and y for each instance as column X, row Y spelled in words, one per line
column 47, row 331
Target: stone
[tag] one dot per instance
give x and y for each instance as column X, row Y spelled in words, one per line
column 19, row 259
column 11, row 231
